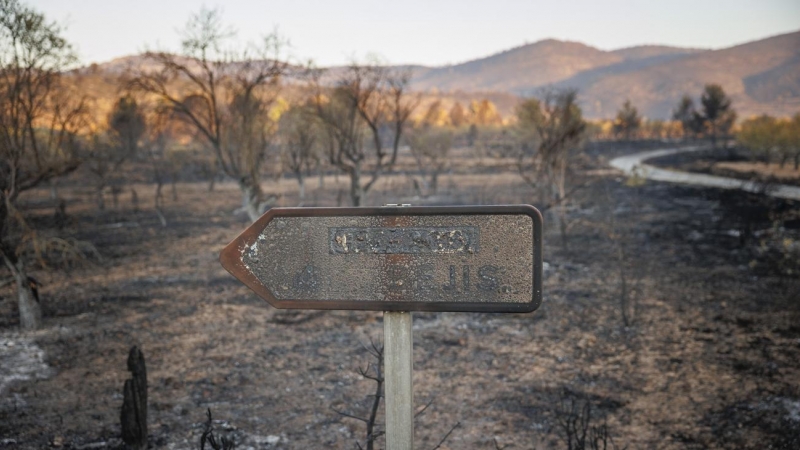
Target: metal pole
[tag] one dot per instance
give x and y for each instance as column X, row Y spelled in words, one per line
column 398, row 362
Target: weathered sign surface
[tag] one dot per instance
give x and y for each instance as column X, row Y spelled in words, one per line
column 480, row 258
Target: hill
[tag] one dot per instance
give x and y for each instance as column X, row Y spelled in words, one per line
column 762, row 76
column 518, row 69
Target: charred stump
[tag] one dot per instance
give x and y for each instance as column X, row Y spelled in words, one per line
column 134, row 404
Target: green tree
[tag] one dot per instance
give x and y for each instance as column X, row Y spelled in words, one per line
column 126, row 125
column 39, row 125
column 717, row 113
column 628, row 121
column 690, row 120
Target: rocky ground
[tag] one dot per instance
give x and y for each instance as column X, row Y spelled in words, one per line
column 704, row 356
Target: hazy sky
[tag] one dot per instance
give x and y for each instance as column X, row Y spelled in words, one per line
column 425, row 32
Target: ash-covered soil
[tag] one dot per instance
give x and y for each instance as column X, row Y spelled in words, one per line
column 709, row 357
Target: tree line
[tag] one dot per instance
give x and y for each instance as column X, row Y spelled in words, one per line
column 714, row 119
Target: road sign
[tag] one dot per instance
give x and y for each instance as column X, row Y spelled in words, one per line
column 473, row 258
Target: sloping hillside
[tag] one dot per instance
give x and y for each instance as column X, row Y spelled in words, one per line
column 760, row 76
column 518, row 69
column 635, row 59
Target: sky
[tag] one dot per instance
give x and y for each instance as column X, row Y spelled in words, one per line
column 429, row 32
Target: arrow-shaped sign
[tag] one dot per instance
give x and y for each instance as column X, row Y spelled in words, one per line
column 476, row 258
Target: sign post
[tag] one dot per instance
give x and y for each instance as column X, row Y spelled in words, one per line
column 395, row 259
column 398, row 345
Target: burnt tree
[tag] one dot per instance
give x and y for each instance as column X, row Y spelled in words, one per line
column 298, row 135
column 225, row 98
column 39, row 124
column 133, row 417
column 364, row 117
column 550, row 132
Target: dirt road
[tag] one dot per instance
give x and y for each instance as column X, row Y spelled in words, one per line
column 635, row 165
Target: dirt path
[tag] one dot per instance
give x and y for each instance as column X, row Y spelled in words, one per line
column 635, row 165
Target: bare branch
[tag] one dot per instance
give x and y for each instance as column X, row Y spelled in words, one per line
column 349, row 415
column 446, row 436
column 224, row 95
column 424, row 408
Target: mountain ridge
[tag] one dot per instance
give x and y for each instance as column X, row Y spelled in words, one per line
column 761, row 76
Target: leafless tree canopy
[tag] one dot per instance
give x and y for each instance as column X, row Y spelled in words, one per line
column 299, row 138
column 364, row 117
column 550, row 130
column 430, row 148
column 223, row 94
column 106, row 152
column 39, row 122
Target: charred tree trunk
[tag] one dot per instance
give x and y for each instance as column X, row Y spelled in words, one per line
column 713, row 136
column 356, row 189
column 174, row 190
column 101, row 202
column 251, row 199
column 53, row 190
column 115, row 191
column 159, row 202
column 60, row 213
column 133, row 417
column 301, row 181
column 623, row 285
column 30, row 310
column 212, row 179
column 135, row 200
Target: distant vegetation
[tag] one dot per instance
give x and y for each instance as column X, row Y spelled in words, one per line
column 772, row 139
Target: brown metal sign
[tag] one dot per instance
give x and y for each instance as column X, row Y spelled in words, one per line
column 473, row 258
